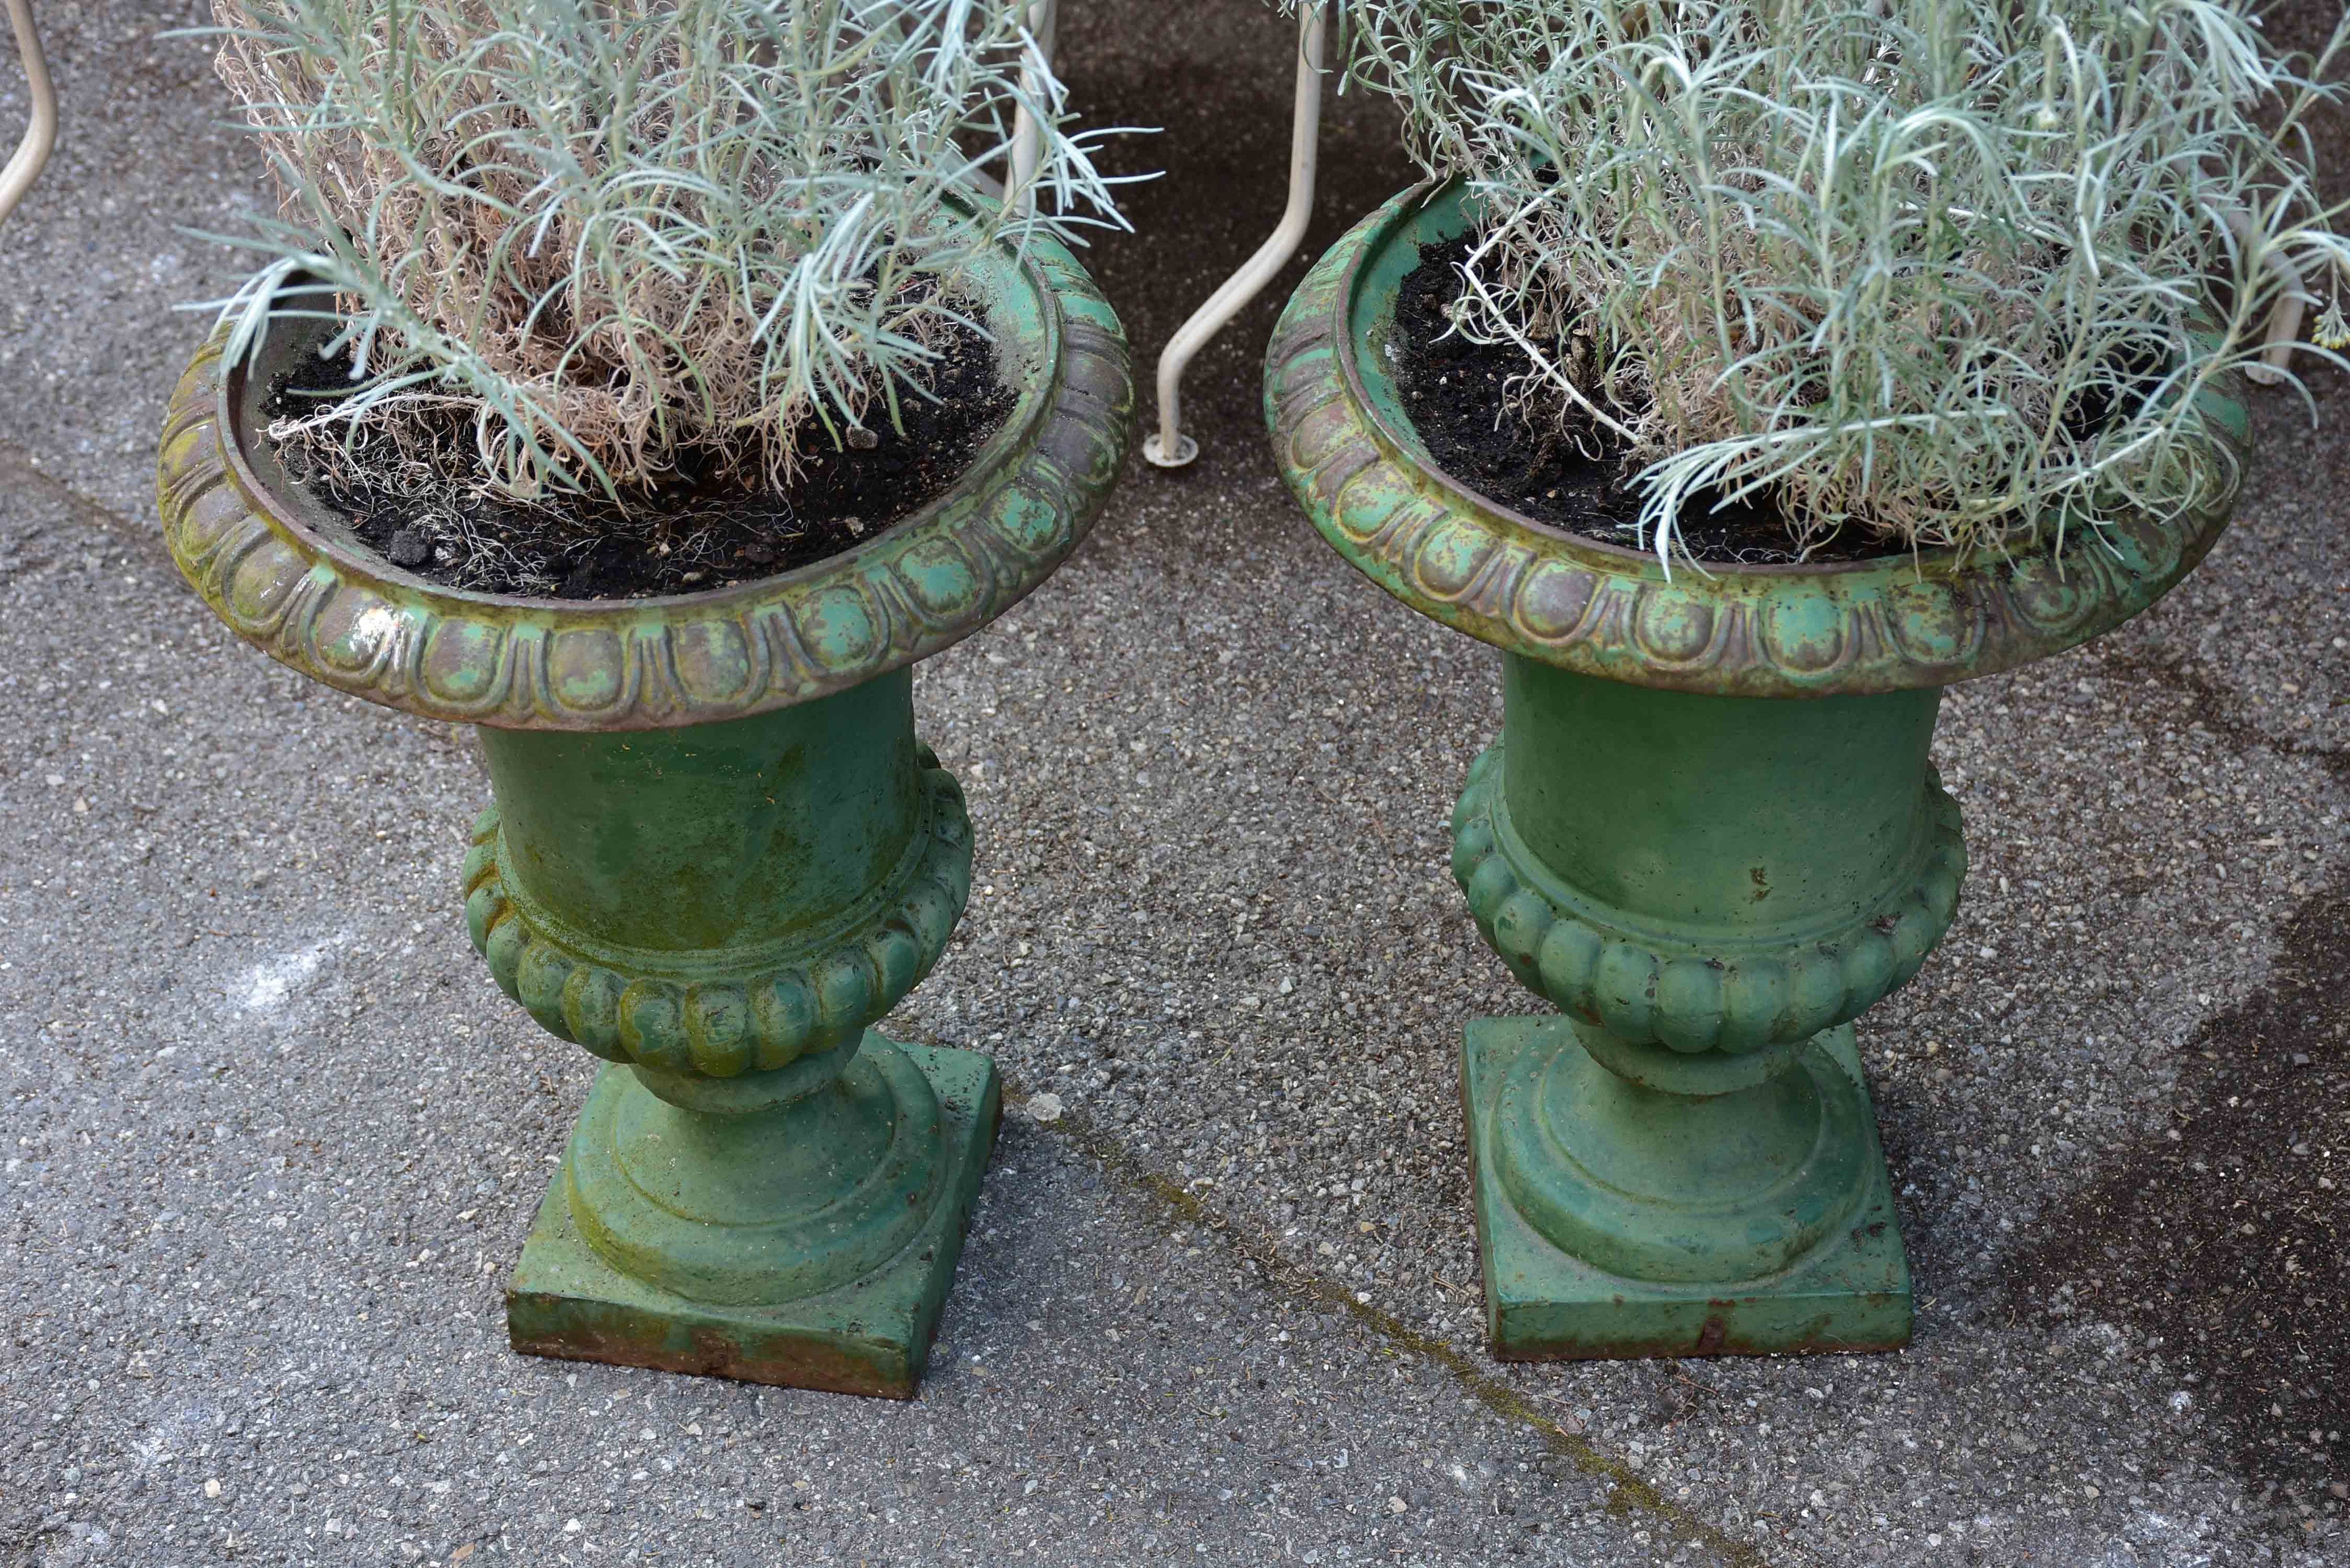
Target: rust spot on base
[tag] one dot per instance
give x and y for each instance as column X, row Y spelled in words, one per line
column 806, row 1365
column 1677, row 1350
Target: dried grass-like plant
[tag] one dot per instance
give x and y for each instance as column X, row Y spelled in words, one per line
column 623, row 236
column 1946, row 272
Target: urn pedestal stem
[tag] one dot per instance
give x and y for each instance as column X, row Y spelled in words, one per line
column 1710, row 888
column 759, row 1186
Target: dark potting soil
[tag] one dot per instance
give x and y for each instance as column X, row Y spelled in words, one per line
column 691, row 534
column 1453, row 388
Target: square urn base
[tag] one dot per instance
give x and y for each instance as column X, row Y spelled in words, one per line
column 873, row 1336
column 1851, row 1293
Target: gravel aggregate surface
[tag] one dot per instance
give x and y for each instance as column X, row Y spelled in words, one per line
column 271, row 1138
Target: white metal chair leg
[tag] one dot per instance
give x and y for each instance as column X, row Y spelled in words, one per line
column 2284, row 320
column 1026, row 140
column 41, row 134
column 1169, row 447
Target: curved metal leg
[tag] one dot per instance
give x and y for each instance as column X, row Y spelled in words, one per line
column 1042, row 14
column 41, row 134
column 2284, row 321
column 1169, row 447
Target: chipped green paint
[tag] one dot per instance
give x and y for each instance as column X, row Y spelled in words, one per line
column 717, row 855
column 1614, row 844
column 866, row 1333
column 1710, row 880
column 1710, row 889
column 1746, row 1225
column 720, row 910
column 719, row 898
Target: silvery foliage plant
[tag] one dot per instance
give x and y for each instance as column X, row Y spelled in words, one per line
column 1946, row 272
column 615, row 235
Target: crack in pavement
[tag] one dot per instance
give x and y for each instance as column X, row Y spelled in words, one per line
column 2214, row 701
column 19, row 468
column 1627, row 1495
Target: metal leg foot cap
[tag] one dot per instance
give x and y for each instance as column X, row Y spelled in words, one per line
column 1154, row 452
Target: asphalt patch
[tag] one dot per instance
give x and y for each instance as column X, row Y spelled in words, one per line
column 2228, row 1233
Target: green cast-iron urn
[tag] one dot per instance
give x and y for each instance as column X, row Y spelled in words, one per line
column 1710, row 835
column 717, row 854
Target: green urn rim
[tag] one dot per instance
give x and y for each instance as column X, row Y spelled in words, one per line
column 289, row 576
column 1347, row 450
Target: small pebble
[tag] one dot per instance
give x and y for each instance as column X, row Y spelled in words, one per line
column 409, row 548
column 862, row 439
